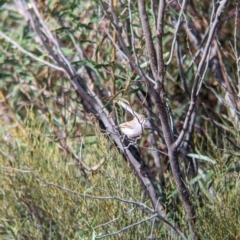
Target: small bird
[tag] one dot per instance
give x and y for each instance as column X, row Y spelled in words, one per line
column 134, row 128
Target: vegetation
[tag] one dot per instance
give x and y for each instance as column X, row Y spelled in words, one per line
column 71, row 72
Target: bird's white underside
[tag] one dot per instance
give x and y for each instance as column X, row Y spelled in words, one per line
column 133, row 128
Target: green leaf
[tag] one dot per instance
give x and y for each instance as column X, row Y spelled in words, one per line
column 202, row 157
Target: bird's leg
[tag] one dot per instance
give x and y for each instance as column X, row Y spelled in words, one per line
column 138, row 138
column 122, row 137
column 132, row 141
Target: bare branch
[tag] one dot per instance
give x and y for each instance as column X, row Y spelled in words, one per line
column 159, row 99
column 132, row 31
column 176, row 30
column 153, row 3
column 148, row 37
column 139, row 204
column 160, row 62
column 235, row 42
column 199, row 72
column 128, row 108
column 124, row 47
column 30, row 54
column 126, row 228
column 51, row 38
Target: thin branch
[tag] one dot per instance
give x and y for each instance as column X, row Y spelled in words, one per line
column 35, row 25
column 160, row 62
column 50, row 184
column 30, row 54
column 153, row 142
column 138, row 70
column 136, row 224
column 176, row 30
column 148, row 37
column 139, row 204
column 127, row 108
column 115, row 219
column 132, row 31
column 236, row 41
column 200, row 48
column 126, row 228
column 51, row 38
column 158, row 96
column 235, row 44
column 114, row 43
column 203, row 75
column 198, row 74
column 81, row 163
column 153, row 2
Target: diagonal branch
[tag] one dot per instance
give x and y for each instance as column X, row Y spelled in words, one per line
column 176, row 31
column 97, row 108
column 148, row 37
column 159, row 99
column 159, row 35
column 3, row 35
column 197, row 79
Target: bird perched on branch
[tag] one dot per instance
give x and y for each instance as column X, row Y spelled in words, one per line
column 134, row 128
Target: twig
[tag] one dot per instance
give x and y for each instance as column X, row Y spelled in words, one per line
column 154, row 13
column 235, row 43
column 132, row 32
column 127, row 108
column 200, row 47
column 51, row 38
column 203, row 75
column 176, row 31
column 30, row 54
column 198, row 74
column 114, row 43
column 139, row 204
column 160, row 62
column 148, row 37
column 126, row 228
